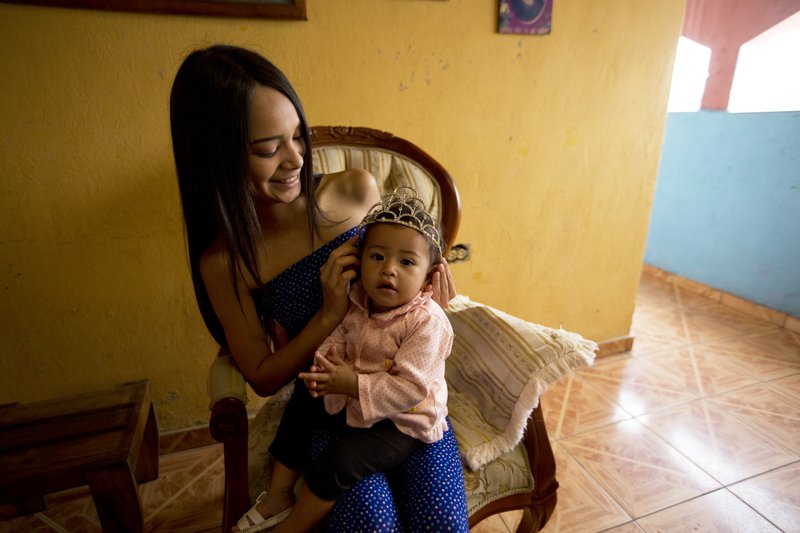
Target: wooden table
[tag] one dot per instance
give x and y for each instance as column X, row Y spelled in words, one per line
column 106, row 440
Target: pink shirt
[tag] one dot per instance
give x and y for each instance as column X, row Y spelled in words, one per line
column 399, row 356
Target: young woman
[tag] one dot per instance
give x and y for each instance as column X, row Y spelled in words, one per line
column 272, row 251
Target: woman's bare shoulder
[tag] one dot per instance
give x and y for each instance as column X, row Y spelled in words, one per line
column 349, row 191
column 215, row 268
column 214, row 262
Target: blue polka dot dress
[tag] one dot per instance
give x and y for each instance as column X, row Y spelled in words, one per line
column 426, row 493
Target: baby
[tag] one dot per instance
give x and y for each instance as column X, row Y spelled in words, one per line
column 377, row 382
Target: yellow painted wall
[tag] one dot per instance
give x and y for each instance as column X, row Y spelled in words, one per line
column 553, row 141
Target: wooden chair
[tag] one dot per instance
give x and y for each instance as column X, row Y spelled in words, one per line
column 523, row 478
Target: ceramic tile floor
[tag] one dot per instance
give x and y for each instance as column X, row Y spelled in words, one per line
column 696, row 429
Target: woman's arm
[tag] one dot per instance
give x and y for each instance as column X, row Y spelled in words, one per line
column 264, row 369
column 344, row 197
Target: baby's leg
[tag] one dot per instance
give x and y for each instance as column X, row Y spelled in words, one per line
column 309, row 511
column 368, row 506
column 356, row 454
column 278, row 497
column 290, row 450
column 280, row 494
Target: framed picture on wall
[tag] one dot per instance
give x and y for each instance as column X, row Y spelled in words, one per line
column 532, row 17
column 272, row 9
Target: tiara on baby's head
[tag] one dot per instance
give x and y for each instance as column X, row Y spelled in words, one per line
column 404, row 207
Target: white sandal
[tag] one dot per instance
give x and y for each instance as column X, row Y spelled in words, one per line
column 259, row 522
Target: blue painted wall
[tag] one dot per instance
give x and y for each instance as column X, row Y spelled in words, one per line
column 726, row 210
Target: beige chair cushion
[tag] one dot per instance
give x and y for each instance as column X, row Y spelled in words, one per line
column 225, row 381
column 505, row 476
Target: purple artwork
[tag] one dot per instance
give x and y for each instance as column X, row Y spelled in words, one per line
column 525, row 16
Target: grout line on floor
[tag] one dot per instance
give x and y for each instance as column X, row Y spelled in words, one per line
column 49, row 521
column 184, row 488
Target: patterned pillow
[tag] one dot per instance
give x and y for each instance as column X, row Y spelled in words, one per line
column 499, row 366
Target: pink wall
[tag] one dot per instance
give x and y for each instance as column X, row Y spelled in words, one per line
column 724, row 26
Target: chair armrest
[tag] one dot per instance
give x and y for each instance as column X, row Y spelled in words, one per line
column 228, row 395
column 228, row 424
column 541, row 458
column 225, row 381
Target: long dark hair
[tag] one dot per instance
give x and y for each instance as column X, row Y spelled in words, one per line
column 209, row 118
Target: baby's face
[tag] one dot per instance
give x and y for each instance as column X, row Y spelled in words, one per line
column 394, row 265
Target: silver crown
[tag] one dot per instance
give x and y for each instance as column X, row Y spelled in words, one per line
column 404, row 207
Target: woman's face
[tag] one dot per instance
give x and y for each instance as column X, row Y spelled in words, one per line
column 276, row 148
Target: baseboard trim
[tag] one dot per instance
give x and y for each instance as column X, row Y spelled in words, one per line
column 743, row 305
column 179, row 440
column 615, row 346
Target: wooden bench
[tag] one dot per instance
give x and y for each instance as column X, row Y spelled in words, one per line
column 106, row 440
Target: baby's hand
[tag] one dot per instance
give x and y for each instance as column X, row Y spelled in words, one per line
column 311, row 384
column 330, row 375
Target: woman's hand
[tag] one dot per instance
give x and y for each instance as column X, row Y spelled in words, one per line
column 442, row 284
column 330, row 375
column 335, row 275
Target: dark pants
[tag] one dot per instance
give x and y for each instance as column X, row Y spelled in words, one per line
column 354, row 454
